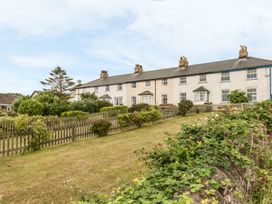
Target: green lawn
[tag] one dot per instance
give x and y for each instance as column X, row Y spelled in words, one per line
column 53, row 175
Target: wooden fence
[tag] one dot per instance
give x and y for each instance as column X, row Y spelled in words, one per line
column 62, row 130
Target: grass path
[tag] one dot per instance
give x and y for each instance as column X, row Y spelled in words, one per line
column 92, row 164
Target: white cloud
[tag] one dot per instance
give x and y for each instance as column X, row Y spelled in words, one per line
column 45, row 61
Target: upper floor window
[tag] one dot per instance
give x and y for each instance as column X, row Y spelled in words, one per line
column 182, row 80
column 225, row 76
column 119, row 87
column 96, row 89
column 133, row 85
column 164, row 82
column 164, row 98
column 182, row 96
column 107, row 88
column 147, row 83
column 251, row 74
column 225, row 94
column 203, row 78
column 252, row 94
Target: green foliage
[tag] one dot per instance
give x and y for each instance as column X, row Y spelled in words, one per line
column 34, row 126
column 18, row 101
column 237, row 96
column 30, row 107
column 89, row 96
column 77, row 114
column 204, row 160
column 59, row 82
column 85, row 105
column 184, row 107
column 101, row 127
column 139, row 118
column 114, row 110
column 102, row 104
column 139, row 107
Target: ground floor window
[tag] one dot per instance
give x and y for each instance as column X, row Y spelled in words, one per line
column 182, row 96
column 201, row 96
column 146, row 99
column 252, row 94
column 164, row 99
column 118, row 101
column 133, row 100
column 225, row 94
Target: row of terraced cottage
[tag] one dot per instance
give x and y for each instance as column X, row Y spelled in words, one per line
column 201, row 83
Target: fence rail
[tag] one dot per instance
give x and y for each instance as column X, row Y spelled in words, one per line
column 62, row 130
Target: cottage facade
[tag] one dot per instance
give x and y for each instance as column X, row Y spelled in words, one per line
column 200, row 83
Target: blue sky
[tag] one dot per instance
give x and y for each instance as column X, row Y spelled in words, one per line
column 86, row 36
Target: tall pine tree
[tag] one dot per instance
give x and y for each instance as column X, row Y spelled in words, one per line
column 59, row 82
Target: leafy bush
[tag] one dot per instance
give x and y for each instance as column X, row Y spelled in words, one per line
column 139, row 118
column 17, row 102
column 139, row 107
column 31, row 125
column 237, row 96
column 219, row 160
column 30, row 107
column 101, row 127
column 85, row 105
column 184, row 107
column 102, row 104
column 77, row 114
column 114, row 110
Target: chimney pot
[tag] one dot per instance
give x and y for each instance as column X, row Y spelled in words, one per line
column 183, row 62
column 138, row 68
column 104, row 74
column 243, row 52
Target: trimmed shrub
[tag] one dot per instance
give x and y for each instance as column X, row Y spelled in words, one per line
column 102, row 104
column 114, row 110
column 139, row 118
column 85, row 105
column 18, row 101
column 101, row 127
column 184, row 107
column 237, row 96
column 78, row 114
column 139, row 107
column 30, row 107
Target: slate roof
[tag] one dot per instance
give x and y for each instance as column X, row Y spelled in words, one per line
column 211, row 67
column 7, row 99
column 201, row 88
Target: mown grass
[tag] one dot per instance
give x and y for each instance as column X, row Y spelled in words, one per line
column 58, row 174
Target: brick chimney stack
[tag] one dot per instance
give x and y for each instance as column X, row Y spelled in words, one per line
column 183, row 62
column 104, row 74
column 243, row 54
column 138, row 69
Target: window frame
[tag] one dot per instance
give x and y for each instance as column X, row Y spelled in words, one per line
column 96, row 89
column 119, row 87
column 184, row 96
column 107, row 88
column 133, row 85
column 249, row 94
column 133, row 100
column 164, row 98
column 223, row 97
column 251, row 75
column 225, row 78
column 118, row 100
column 164, row 81
column 203, row 78
column 184, row 81
column 199, row 95
column 148, row 83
